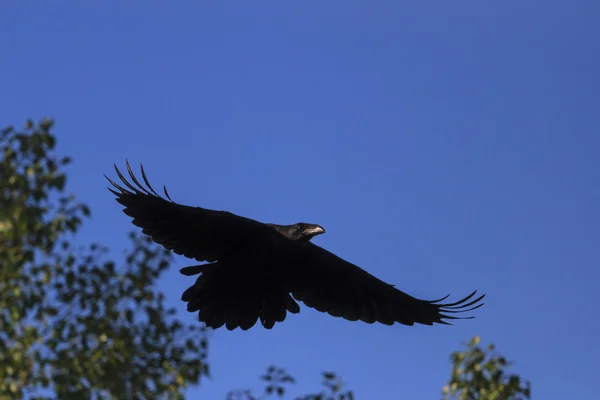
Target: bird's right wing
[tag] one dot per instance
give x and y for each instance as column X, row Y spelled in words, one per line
column 195, row 232
column 333, row 285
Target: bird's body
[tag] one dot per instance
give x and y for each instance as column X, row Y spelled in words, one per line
column 257, row 270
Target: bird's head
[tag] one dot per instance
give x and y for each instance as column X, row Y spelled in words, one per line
column 300, row 231
column 308, row 231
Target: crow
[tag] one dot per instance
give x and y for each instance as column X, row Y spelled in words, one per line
column 258, row 271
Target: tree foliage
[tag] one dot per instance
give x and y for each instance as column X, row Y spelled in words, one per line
column 480, row 374
column 477, row 374
column 277, row 380
column 75, row 324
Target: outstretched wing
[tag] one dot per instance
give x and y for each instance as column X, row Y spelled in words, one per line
column 195, row 232
column 330, row 284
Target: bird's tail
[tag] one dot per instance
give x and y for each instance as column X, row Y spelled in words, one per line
column 235, row 298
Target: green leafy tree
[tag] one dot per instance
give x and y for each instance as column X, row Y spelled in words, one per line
column 480, row 374
column 75, row 324
column 477, row 374
column 277, row 380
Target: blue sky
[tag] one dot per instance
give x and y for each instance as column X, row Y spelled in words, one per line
column 444, row 146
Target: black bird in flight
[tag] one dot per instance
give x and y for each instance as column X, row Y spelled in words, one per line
column 258, row 271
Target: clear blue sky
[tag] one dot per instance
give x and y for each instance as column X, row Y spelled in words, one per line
column 444, row 146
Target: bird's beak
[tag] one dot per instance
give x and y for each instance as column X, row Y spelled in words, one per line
column 315, row 230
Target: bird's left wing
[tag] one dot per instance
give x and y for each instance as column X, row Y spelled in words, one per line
column 333, row 285
column 195, row 232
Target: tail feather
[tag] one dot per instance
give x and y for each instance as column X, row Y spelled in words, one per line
column 235, row 299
